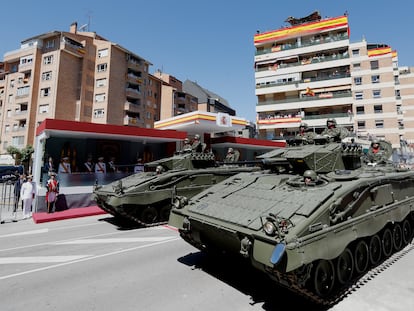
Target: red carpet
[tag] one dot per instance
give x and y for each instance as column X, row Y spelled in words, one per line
column 67, row 214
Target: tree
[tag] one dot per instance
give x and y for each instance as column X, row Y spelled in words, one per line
column 21, row 156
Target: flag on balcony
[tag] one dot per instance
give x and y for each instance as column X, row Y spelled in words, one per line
column 309, row 92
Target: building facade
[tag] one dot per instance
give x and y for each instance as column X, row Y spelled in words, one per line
column 73, row 75
column 310, row 72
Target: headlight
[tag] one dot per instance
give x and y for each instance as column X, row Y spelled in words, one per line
column 269, row 228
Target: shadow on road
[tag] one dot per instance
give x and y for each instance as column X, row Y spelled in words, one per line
column 121, row 223
column 240, row 275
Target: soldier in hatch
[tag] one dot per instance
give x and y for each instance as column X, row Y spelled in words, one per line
column 334, row 133
column 305, row 133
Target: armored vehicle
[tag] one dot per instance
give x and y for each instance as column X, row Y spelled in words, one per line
column 315, row 220
column 145, row 198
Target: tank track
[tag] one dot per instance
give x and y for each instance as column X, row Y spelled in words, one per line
column 290, row 280
column 138, row 221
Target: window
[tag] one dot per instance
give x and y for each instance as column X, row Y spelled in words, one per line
column 43, row 108
column 47, row 76
column 50, row 44
column 397, row 94
column 357, row 66
column 379, row 123
column 361, row 124
column 359, row 95
column 400, row 124
column 102, row 53
column 8, row 113
column 375, row 79
column 26, row 60
column 358, row 80
column 12, row 83
column 99, row 98
column 98, row 113
column 7, row 128
column 374, row 64
column 10, row 99
column 45, row 92
column 355, row 52
column 377, row 108
column 102, row 67
column 48, row 60
column 148, row 115
column 22, row 91
column 101, row 82
column 360, row 110
column 376, row 93
column 17, row 140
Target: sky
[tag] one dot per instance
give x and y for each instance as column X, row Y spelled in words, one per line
column 209, row 42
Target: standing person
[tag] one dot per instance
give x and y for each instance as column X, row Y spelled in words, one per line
column 52, row 191
column 27, row 193
column 139, row 167
column 100, row 167
column 187, row 146
column 64, row 166
column 50, row 167
column 17, row 188
column 112, row 167
column 197, row 146
column 89, row 165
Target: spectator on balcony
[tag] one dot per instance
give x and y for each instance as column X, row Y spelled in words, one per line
column 100, row 166
column 64, row 166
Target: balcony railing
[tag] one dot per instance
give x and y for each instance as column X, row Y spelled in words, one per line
column 322, row 96
column 304, row 80
column 313, row 60
column 290, row 46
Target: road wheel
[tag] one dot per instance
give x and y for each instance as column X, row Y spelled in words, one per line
column 387, row 243
column 149, row 215
column 375, row 250
column 361, row 257
column 165, row 212
column 397, row 237
column 406, row 232
column 324, row 278
column 345, row 266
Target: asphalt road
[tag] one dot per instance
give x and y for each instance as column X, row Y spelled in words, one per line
column 93, row 263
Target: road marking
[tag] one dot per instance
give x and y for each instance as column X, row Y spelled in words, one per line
column 25, row 233
column 87, row 258
column 40, row 259
column 114, row 240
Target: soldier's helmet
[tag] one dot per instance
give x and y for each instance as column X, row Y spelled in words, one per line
column 186, row 140
column 303, row 125
column 230, row 150
column 197, row 137
column 330, row 123
column 375, row 141
column 310, row 174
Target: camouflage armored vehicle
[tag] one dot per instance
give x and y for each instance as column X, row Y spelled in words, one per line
column 315, row 221
column 145, row 197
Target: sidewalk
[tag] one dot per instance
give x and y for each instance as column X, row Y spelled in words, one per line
column 61, row 215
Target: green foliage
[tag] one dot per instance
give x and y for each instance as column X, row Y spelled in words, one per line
column 21, row 156
column 14, row 152
column 26, row 153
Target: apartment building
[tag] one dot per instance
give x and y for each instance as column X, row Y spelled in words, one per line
column 310, row 72
column 78, row 76
column 174, row 101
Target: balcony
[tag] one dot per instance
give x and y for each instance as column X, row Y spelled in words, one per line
column 133, row 121
column 131, row 92
column 285, row 47
column 128, row 106
column 322, row 96
column 278, row 64
column 331, row 76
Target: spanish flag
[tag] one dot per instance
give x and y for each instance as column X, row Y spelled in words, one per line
column 309, row 92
